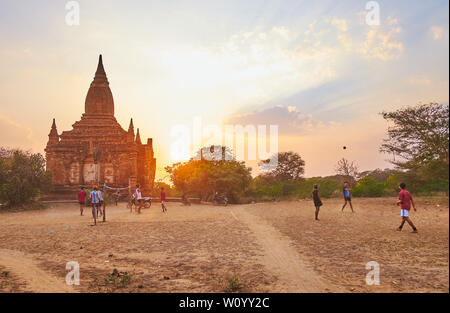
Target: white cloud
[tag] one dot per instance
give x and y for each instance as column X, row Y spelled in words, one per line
column 290, row 121
column 247, row 68
column 340, row 24
column 381, row 42
column 437, row 32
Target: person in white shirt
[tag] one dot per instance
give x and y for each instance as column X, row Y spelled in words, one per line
column 139, row 199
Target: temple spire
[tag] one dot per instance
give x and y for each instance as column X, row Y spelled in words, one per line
column 131, row 128
column 99, row 99
column 138, row 137
column 100, row 69
column 53, row 136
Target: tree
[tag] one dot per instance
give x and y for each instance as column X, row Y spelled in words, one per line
column 419, row 138
column 22, row 176
column 346, row 168
column 205, row 177
column 284, row 166
column 378, row 175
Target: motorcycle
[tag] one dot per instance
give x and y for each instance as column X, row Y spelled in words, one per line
column 185, row 200
column 133, row 203
column 220, row 200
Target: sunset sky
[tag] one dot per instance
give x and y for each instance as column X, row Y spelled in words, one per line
column 314, row 68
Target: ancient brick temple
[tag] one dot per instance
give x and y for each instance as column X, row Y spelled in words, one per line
column 98, row 150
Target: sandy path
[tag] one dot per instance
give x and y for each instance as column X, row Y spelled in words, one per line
column 281, row 258
column 35, row 279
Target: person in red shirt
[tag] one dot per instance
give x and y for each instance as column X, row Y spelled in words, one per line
column 404, row 201
column 82, row 200
column 163, row 198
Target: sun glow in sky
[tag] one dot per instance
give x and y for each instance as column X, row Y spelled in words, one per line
column 314, row 68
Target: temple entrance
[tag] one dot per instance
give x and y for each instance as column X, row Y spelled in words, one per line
column 90, row 173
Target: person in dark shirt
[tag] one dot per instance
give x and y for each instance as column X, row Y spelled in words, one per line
column 404, row 201
column 347, row 196
column 317, row 200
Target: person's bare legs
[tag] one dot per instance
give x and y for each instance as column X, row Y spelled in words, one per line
column 140, row 207
column 94, row 214
column 344, row 206
column 411, row 223
column 407, row 219
column 351, row 206
column 317, row 212
column 81, row 209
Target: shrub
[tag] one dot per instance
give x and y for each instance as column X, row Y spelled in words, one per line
column 23, row 177
column 368, row 187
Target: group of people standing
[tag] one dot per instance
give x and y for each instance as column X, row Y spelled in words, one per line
column 405, row 201
column 98, row 204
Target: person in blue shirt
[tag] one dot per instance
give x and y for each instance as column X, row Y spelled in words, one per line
column 96, row 197
column 347, row 196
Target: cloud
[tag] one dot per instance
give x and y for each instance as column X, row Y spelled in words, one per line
column 248, row 67
column 290, row 121
column 381, row 42
column 340, row 24
column 437, row 32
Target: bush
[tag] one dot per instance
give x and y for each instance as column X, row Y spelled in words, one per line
column 416, row 183
column 368, row 187
column 23, row 177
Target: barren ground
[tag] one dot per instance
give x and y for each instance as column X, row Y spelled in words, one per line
column 264, row 247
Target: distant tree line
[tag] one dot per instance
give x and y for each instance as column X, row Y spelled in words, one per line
column 417, row 138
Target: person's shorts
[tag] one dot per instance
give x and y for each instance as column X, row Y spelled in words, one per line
column 348, row 199
column 404, row 213
column 96, row 205
column 81, row 202
column 318, row 203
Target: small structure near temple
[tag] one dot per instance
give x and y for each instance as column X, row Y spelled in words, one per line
column 98, row 150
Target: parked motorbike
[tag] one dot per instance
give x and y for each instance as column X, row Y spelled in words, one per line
column 220, row 200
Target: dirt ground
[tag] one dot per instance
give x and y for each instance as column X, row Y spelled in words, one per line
column 263, row 247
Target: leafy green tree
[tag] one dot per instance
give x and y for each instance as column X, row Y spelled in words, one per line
column 289, row 167
column 22, row 176
column 204, row 177
column 419, row 139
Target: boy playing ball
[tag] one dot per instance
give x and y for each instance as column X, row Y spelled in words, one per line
column 404, row 201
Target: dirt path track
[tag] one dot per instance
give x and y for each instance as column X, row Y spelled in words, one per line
column 281, row 258
column 35, row 279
